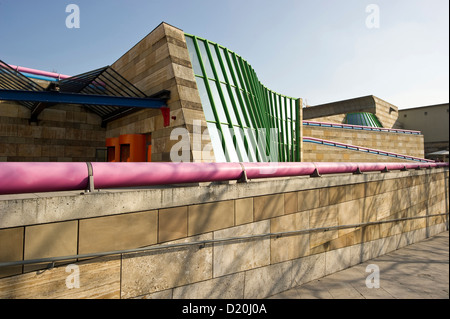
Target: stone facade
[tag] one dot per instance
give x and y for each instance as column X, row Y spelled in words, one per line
column 335, row 112
column 399, row 143
column 160, row 62
column 62, row 133
column 72, row 223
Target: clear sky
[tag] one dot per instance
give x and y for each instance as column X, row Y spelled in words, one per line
column 322, row 50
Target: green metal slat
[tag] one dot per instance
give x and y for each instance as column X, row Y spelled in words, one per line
column 297, row 129
column 211, row 99
column 222, row 98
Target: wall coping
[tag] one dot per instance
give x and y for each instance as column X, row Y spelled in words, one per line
column 39, row 208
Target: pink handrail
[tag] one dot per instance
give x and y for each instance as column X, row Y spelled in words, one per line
column 39, row 72
column 34, row 177
column 366, row 149
column 341, row 125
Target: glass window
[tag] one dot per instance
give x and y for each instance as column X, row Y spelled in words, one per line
column 261, row 144
column 216, row 62
column 229, row 144
column 236, row 72
column 239, row 134
column 239, row 106
column 218, row 102
column 216, row 140
column 288, row 108
column 193, row 55
column 243, row 73
column 207, row 108
column 224, row 54
column 229, row 104
column 251, row 144
column 205, row 59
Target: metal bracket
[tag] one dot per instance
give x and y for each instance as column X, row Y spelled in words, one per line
column 243, row 178
column 90, row 178
column 358, row 171
column 315, row 174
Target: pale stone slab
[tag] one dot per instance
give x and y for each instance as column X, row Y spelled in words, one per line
column 149, row 272
column 98, row 278
column 289, row 247
column 241, row 255
column 226, row 287
column 308, row 268
column 266, row 281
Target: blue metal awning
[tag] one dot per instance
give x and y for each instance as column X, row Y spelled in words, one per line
column 77, row 98
column 103, row 91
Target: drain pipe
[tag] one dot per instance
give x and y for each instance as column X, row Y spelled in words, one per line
column 33, row 177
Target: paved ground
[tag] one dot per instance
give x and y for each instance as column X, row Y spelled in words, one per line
column 418, row 271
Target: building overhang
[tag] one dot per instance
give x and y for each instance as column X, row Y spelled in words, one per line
column 102, row 91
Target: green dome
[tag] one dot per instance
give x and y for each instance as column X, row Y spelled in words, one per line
column 363, row 119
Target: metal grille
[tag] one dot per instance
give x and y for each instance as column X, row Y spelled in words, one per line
column 10, row 79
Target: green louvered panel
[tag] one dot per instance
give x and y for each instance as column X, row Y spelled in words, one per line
column 247, row 122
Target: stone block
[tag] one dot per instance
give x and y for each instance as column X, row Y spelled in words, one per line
column 226, row 287
column 11, row 249
column 290, row 203
column 208, row 217
column 99, row 278
column 50, row 240
column 243, row 211
column 319, row 218
column 148, row 272
column 117, row 232
column 338, row 259
column 337, row 194
column 348, row 214
column 308, row 268
column 241, row 255
column 172, row 223
column 266, row 281
column 289, row 247
column 268, row 206
column 324, row 197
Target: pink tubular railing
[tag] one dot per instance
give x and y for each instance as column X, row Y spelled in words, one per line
column 364, row 149
column 34, row 177
column 39, row 72
column 360, row 127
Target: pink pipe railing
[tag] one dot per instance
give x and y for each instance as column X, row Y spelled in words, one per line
column 39, row 72
column 340, row 125
column 365, row 149
column 35, row 177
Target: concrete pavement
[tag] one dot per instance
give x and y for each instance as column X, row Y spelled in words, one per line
column 417, row 271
